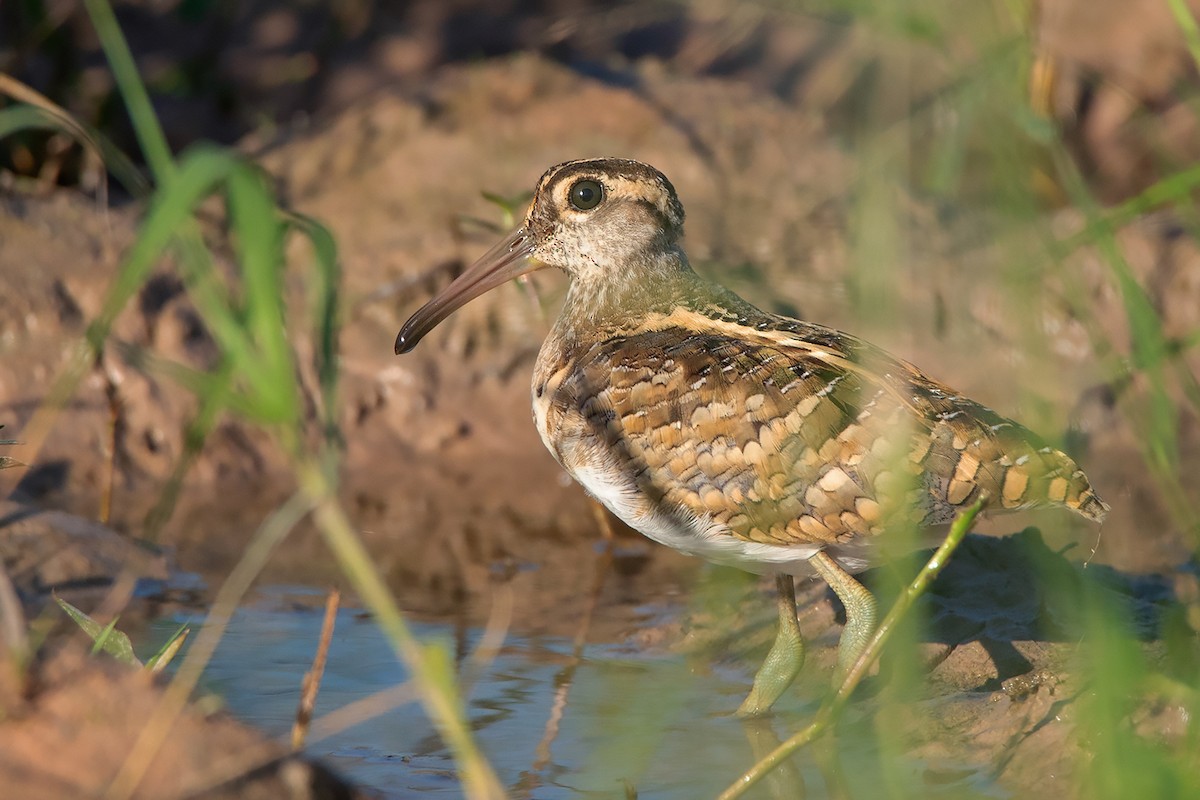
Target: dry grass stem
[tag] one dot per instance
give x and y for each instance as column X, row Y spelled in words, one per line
column 312, row 678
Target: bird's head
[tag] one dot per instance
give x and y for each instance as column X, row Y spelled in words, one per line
column 604, row 221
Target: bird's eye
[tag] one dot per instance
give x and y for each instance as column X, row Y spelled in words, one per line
column 586, row 195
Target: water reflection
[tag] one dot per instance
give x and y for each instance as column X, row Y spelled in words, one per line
column 557, row 721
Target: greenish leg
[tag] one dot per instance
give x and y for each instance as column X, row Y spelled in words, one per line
column 861, row 611
column 785, row 659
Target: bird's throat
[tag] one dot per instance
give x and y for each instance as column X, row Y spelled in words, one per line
column 618, row 298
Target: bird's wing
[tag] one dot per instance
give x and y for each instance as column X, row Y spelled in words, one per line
column 802, row 434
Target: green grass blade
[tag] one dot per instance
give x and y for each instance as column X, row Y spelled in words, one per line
column 171, row 210
column 202, row 171
column 159, row 661
column 267, row 361
column 101, row 639
column 1151, row 350
column 207, row 384
column 137, row 101
column 1174, row 188
column 23, row 118
column 1187, row 25
column 104, row 637
column 325, row 314
column 50, row 116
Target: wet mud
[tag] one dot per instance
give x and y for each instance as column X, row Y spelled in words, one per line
column 443, row 473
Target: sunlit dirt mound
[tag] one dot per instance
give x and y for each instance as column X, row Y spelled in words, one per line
column 443, row 470
column 70, row 731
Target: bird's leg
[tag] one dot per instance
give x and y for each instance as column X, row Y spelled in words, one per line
column 861, row 611
column 785, row 659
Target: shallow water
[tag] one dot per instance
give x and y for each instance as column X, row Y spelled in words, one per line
column 553, row 726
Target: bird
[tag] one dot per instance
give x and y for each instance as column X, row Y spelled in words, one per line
column 775, row 445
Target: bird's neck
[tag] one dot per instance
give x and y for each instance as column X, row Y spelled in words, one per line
column 614, row 291
column 620, row 299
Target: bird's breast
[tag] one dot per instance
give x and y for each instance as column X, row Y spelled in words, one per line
column 609, row 453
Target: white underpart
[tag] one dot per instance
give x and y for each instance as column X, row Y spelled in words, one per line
column 705, row 537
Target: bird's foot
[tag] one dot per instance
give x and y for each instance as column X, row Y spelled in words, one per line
column 784, row 660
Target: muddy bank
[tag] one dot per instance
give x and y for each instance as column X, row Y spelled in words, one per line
column 71, row 725
column 443, row 470
column 443, row 473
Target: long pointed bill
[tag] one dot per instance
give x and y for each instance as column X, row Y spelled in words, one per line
column 507, row 260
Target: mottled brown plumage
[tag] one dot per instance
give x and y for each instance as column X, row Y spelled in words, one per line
column 788, row 432
column 748, row 438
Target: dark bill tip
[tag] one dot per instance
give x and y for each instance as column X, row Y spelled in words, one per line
column 507, row 260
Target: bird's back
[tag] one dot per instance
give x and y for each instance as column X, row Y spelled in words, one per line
column 781, row 432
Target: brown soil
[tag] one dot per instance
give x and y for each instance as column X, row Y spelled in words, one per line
column 83, row 716
column 443, row 472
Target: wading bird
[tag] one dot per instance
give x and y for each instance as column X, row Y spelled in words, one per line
column 751, row 439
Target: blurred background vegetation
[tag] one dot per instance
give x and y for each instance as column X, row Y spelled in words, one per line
column 1117, row 77
column 1017, row 197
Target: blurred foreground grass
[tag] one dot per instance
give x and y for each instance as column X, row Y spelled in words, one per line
column 970, row 136
column 257, row 378
column 976, row 139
